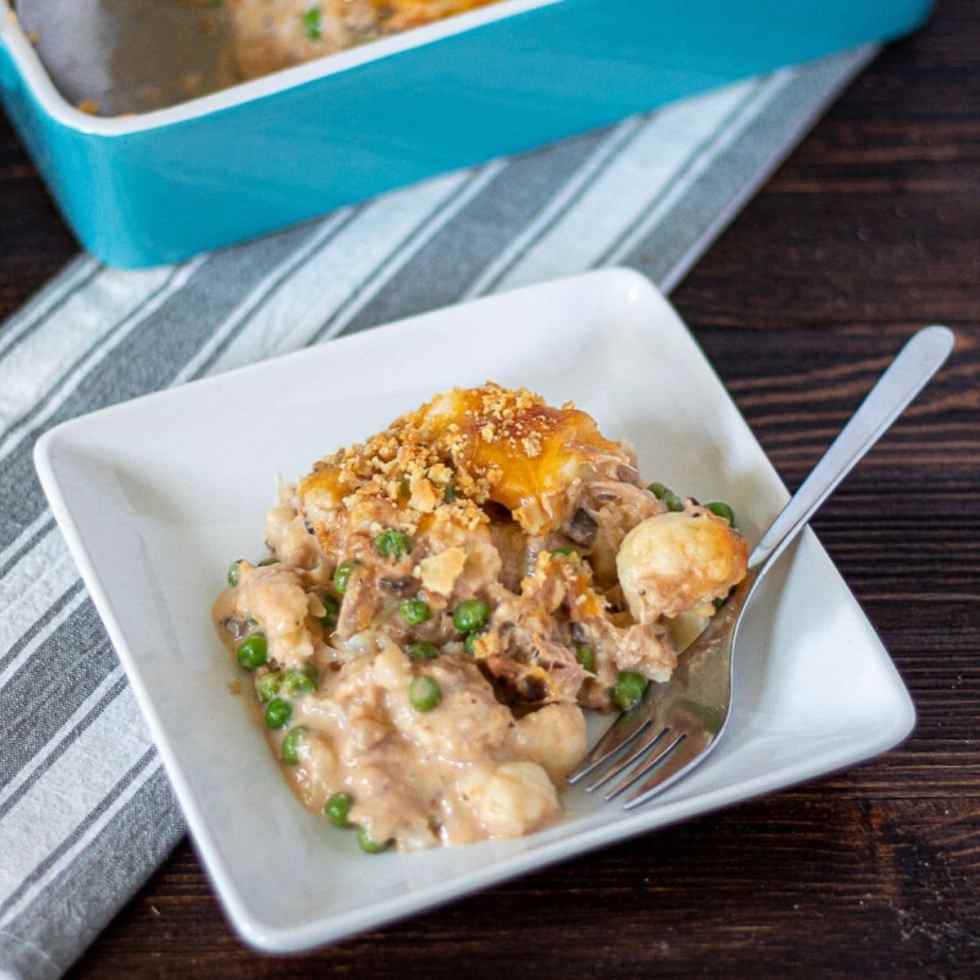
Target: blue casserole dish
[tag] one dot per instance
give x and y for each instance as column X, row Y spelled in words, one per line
column 161, row 186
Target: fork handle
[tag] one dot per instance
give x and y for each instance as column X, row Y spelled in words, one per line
column 908, row 374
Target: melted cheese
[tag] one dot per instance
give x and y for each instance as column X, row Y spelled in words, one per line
column 529, row 452
column 471, row 445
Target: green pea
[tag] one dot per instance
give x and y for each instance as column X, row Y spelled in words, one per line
column 722, row 510
column 370, row 846
column 393, row 544
column 267, row 685
column 233, row 573
column 424, row 694
column 268, row 561
column 299, row 681
column 342, row 575
column 586, row 657
column 630, row 688
column 562, row 552
column 423, row 651
column 667, row 496
column 291, row 744
column 331, row 612
column 278, row 713
column 469, row 644
column 414, row 611
column 338, row 809
column 253, row 651
column 471, row 615
column 312, row 23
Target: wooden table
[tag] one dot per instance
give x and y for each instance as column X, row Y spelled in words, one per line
column 871, row 229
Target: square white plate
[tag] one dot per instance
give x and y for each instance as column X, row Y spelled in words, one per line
column 157, row 495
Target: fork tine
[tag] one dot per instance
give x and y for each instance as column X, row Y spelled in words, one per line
column 645, row 767
column 620, row 734
column 681, row 763
column 646, row 744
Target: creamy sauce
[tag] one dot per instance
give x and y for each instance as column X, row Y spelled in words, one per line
column 572, row 575
column 468, row 771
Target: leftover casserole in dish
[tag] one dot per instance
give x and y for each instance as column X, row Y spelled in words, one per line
column 440, row 603
column 271, row 34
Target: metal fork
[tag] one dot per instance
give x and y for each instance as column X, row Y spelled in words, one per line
column 677, row 725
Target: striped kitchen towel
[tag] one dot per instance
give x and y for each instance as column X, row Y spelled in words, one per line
column 86, row 813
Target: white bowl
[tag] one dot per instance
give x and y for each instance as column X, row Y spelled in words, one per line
column 156, row 496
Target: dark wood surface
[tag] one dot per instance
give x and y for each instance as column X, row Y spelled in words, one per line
column 871, row 229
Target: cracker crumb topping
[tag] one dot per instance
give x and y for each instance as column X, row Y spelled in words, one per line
column 464, row 448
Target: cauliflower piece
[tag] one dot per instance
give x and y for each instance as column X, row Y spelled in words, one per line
column 287, row 537
column 554, row 737
column 511, row 800
column 274, row 596
column 678, row 561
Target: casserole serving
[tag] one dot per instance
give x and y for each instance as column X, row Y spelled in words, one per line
column 439, row 602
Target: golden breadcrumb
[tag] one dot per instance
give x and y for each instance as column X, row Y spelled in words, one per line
column 467, row 447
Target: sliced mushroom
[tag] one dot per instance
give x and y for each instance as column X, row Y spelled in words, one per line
column 402, row 586
column 532, row 689
column 628, row 474
column 582, row 528
column 603, row 496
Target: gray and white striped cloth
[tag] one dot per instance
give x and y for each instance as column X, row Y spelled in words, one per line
column 86, row 813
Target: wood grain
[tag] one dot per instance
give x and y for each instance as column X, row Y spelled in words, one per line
column 871, row 229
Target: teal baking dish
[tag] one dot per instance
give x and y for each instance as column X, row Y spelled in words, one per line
column 161, row 186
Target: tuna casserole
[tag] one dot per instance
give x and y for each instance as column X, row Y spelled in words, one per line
column 272, row 34
column 440, row 603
